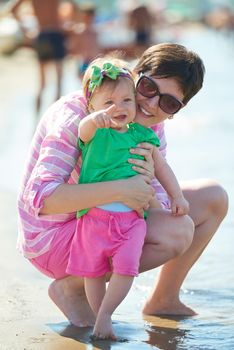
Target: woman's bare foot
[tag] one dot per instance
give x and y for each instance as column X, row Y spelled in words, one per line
column 103, row 328
column 70, row 298
column 166, row 307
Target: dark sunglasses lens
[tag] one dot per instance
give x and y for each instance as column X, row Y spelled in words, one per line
column 169, row 104
column 146, row 87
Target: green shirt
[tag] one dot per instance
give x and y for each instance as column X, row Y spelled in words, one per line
column 105, row 157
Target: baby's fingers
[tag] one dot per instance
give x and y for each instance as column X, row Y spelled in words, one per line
column 109, row 122
column 110, row 110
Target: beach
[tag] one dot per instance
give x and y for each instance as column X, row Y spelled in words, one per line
column 201, row 144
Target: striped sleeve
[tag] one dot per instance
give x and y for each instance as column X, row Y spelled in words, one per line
column 57, row 158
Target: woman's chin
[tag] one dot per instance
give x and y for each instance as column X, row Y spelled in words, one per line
column 142, row 119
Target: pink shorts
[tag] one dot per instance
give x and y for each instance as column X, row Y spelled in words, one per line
column 103, row 235
column 61, row 260
column 54, row 262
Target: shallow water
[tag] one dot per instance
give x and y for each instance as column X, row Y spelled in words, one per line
column 201, row 144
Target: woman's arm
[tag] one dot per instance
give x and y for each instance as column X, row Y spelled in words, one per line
column 135, row 192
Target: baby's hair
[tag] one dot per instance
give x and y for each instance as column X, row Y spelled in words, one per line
column 99, row 62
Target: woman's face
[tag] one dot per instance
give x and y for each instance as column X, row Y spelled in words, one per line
column 148, row 111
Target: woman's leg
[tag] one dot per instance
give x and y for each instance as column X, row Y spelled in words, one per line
column 69, row 296
column 66, row 291
column 208, row 207
column 167, row 237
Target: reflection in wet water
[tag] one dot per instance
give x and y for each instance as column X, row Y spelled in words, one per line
column 164, row 332
column 167, row 333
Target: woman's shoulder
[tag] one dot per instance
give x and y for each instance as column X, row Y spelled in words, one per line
column 68, row 110
column 75, row 101
column 62, row 118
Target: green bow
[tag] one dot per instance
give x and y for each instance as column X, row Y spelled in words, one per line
column 108, row 70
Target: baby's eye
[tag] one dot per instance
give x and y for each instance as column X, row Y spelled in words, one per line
column 109, row 102
column 127, row 99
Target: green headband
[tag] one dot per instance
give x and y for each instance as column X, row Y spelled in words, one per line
column 107, row 70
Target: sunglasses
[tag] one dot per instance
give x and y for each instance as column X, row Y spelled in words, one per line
column 147, row 87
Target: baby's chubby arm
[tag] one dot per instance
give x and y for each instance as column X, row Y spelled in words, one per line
column 96, row 120
column 167, row 178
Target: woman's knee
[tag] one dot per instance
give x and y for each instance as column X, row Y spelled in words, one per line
column 180, row 237
column 183, row 235
column 208, row 200
column 218, row 200
column 171, row 234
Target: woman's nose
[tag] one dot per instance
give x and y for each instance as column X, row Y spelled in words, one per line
column 153, row 102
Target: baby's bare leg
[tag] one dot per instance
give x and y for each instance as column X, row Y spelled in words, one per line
column 95, row 289
column 117, row 290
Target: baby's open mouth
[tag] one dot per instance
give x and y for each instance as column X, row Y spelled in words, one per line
column 120, row 117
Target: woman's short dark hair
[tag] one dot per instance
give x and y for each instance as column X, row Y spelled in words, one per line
column 168, row 60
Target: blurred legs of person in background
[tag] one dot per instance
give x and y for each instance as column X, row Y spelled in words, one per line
column 84, row 41
column 50, row 48
column 49, row 43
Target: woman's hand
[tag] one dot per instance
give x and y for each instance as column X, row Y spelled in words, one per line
column 137, row 193
column 146, row 166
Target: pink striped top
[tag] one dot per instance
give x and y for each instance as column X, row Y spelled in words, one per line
column 53, row 160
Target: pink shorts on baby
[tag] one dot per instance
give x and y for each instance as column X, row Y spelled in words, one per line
column 107, row 241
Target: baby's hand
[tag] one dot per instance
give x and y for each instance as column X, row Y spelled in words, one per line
column 179, row 206
column 103, row 118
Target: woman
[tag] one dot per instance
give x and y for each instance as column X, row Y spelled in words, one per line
column 168, row 76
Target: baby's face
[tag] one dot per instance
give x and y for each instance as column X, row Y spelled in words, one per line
column 120, row 93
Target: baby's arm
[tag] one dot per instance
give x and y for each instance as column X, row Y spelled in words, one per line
column 167, row 178
column 100, row 119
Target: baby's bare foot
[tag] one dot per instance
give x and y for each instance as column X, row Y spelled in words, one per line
column 72, row 301
column 103, row 328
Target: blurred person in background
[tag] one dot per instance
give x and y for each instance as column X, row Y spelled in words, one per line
column 49, row 42
column 84, row 41
column 141, row 21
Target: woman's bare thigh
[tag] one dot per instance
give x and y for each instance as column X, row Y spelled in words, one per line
column 204, row 196
column 164, row 228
